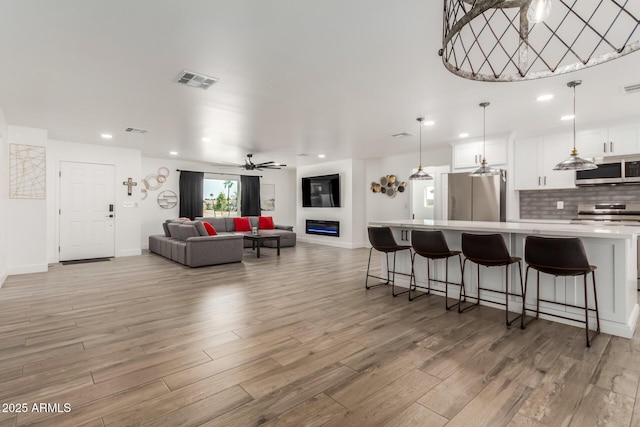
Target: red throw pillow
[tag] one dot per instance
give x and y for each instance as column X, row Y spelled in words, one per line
column 265, row 223
column 242, row 224
column 209, row 228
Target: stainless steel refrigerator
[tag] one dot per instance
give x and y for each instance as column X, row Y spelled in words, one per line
column 477, row 198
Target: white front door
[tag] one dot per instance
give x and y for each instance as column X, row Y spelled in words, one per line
column 87, row 201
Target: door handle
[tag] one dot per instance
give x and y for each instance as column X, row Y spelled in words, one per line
column 611, row 146
column 545, row 180
column 539, row 181
column 110, row 216
column 605, row 147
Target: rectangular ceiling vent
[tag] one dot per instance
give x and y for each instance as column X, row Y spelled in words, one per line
column 629, row 89
column 402, row 135
column 192, row 79
column 136, row 130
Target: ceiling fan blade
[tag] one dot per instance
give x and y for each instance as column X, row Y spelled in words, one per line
column 227, row 165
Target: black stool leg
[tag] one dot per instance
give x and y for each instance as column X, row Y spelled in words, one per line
column 366, row 282
column 521, row 315
column 462, row 289
column 446, row 298
column 393, row 280
column 586, row 309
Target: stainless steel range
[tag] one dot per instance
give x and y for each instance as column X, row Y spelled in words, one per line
column 608, row 214
column 611, row 214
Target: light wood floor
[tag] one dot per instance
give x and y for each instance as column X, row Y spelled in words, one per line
column 289, row 341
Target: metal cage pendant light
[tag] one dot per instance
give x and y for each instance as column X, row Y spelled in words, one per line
column 484, row 169
column 574, row 162
column 507, row 40
column 420, row 174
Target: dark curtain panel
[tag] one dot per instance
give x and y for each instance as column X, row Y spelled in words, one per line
column 250, row 196
column 191, row 194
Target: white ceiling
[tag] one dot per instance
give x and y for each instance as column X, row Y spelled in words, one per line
column 333, row 77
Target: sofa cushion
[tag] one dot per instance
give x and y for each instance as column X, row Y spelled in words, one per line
column 219, row 224
column 242, row 224
column 253, row 221
column 199, row 226
column 183, row 231
column 211, row 231
column 173, row 228
column 265, row 223
column 166, row 230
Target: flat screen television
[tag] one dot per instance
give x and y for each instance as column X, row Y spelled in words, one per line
column 321, row 191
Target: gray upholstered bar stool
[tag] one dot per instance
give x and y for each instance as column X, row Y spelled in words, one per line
column 561, row 256
column 381, row 239
column 432, row 245
column 489, row 250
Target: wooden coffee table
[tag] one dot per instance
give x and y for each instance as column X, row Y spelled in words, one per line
column 257, row 239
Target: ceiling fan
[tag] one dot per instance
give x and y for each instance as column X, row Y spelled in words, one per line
column 250, row 165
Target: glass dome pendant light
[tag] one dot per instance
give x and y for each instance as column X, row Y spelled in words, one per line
column 420, row 174
column 574, row 162
column 484, row 169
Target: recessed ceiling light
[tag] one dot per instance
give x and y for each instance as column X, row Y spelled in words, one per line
column 464, row 135
column 568, row 117
column 321, row 156
column 205, row 139
column 106, row 135
column 545, row 97
column 428, row 123
column 173, row 153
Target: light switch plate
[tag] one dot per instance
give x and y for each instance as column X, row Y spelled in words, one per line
column 128, row 204
column 559, row 205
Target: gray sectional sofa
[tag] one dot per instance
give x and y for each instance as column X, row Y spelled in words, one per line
column 227, row 225
column 188, row 242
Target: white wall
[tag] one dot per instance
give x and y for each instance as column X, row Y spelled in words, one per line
column 153, row 215
column 4, row 196
column 351, row 213
column 127, row 165
column 379, row 207
column 26, row 246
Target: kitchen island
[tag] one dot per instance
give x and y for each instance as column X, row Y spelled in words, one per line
column 613, row 249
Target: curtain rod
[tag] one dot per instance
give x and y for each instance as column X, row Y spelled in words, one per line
column 218, row 173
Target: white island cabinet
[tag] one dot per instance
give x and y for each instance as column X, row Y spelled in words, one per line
column 613, row 249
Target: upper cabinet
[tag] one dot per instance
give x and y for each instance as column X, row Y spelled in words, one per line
column 612, row 141
column 469, row 154
column 535, row 159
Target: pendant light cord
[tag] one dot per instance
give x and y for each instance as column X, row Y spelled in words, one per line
column 574, row 118
column 420, row 124
column 484, row 131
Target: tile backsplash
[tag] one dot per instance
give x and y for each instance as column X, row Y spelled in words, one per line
column 541, row 204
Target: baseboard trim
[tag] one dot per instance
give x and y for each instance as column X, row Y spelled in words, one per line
column 129, row 252
column 27, row 269
column 332, row 243
column 3, row 277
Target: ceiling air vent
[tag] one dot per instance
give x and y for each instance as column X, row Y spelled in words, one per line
column 402, row 135
column 136, row 130
column 192, row 79
column 629, row 89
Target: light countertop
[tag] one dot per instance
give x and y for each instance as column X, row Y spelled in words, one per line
column 551, row 229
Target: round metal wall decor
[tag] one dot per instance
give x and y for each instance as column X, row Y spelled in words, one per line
column 167, row 199
column 389, row 185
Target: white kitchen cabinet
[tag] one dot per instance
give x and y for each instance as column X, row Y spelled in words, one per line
column 611, row 141
column 469, row 154
column 535, row 159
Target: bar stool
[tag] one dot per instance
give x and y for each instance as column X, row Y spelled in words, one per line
column 432, row 245
column 489, row 250
column 561, row 256
column 381, row 239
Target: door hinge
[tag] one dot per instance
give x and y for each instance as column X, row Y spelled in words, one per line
column 58, row 248
column 59, row 173
column 59, row 211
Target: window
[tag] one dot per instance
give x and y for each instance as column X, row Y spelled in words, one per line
column 220, row 197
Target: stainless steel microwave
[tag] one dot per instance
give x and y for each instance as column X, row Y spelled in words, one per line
column 612, row 170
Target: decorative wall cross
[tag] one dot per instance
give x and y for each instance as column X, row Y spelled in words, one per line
column 129, row 183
